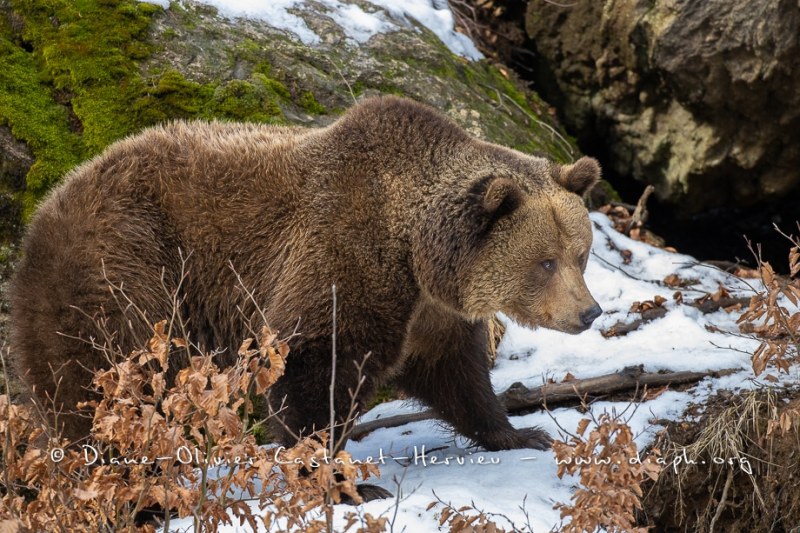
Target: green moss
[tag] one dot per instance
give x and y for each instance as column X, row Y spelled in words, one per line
column 445, row 70
column 390, row 89
column 530, row 147
column 88, row 48
column 310, row 104
column 261, row 434
column 239, row 99
column 28, row 108
column 508, row 88
column 255, row 422
column 469, row 76
column 254, row 53
column 169, row 34
column 358, row 88
column 83, row 51
column 171, row 96
column 264, row 68
column 274, row 87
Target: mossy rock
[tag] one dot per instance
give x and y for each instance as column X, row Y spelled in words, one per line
column 77, row 75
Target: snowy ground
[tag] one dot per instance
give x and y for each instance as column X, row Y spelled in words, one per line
column 679, row 341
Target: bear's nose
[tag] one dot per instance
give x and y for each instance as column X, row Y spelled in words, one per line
column 588, row 316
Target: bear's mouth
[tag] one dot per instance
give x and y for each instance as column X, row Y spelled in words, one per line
column 546, row 321
column 570, row 328
column 576, row 330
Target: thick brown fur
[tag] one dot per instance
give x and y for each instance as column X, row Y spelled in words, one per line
column 426, row 232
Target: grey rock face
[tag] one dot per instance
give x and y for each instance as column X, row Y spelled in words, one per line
column 408, row 60
column 699, row 98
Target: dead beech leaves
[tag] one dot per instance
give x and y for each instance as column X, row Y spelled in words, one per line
column 647, row 310
column 610, row 473
column 771, row 321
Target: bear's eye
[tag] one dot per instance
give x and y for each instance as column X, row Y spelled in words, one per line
column 549, row 265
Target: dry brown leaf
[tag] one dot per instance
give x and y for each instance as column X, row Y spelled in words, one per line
column 652, row 394
column 159, row 343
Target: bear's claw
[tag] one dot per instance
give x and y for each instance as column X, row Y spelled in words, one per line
column 535, row 438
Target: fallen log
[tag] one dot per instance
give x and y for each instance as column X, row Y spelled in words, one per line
column 519, row 397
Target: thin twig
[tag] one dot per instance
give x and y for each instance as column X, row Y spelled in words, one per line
column 339, row 71
column 7, row 445
column 551, row 129
column 331, row 439
column 722, row 501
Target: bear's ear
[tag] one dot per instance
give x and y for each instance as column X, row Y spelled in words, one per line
column 502, row 197
column 580, row 176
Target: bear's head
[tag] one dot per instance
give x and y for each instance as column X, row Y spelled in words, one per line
column 517, row 242
column 530, row 266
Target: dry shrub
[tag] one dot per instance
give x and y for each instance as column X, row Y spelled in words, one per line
column 727, row 436
column 775, row 325
column 611, row 474
column 471, row 519
column 466, row 519
column 730, row 470
column 488, row 24
column 496, row 331
column 188, row 450
column 630, row 220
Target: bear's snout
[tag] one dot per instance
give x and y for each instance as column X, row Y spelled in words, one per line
column 589, row 316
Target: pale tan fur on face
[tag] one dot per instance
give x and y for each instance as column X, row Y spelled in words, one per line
column 509, row 276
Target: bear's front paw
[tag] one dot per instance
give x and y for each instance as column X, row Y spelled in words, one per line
column 535, row 438
column 513, row 439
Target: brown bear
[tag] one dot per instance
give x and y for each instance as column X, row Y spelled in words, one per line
column 426, row 231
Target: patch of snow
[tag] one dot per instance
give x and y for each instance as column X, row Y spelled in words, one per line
column 437, row 17
column 358, row 24
column 684, row 339
column 273, row 12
